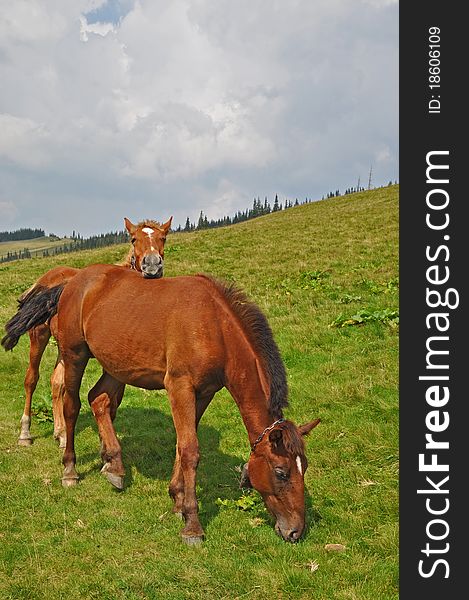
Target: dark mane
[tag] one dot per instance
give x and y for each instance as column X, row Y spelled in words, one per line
column 259, row 333
column 292, row 440
column 127, row 260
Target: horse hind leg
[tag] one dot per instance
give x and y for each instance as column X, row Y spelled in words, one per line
column 38, row 338
column 74, row 369
column 104, row 399
column 116, row 399
column 58, row 390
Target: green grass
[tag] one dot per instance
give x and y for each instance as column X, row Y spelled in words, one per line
column 306, row 267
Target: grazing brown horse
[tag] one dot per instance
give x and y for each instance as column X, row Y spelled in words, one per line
column 146, row 255
column 192, row 336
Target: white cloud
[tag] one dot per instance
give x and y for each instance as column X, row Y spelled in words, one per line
column 381, row 3
column 22, row 141
column 180, row 95
column 30, row 21
column 98, row 28
column 383, row 154
column 8, row 212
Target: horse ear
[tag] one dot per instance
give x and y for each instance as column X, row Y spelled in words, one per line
column 129, row 226
column 245, row 482
column 305, row 429
column 166, row 226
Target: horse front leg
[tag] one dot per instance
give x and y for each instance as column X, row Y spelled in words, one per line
column 176, row 486
column 104, row 399
column 38, row 338
column 183, row 407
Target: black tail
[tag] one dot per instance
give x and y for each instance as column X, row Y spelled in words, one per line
column 35, row 308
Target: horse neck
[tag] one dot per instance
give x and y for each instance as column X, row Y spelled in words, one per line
column 247, row 382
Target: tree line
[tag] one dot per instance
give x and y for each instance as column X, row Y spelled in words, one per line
column 21, row 234
column 73, row 244
column 77, row 242
column 258, row 209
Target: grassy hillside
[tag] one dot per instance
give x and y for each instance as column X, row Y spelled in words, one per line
column 326, row 275
column 36, row 246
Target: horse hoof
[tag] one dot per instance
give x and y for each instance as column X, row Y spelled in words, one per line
column 25, row 441
column 69, row 481
column 192, row 540
column 116, row 481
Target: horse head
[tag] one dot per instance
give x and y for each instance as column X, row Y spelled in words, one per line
column 276, row 469
column 148, row 239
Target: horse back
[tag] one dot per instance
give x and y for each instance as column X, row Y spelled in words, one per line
column 56, row 276
column 141, row 329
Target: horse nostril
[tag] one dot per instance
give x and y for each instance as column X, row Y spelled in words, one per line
column 151, row 260
column 293, row 535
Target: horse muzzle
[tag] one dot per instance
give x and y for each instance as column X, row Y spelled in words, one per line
column 152, row 266
column 289, row 534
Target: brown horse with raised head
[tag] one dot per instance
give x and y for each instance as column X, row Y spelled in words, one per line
column 146, row 255
column 192, row 336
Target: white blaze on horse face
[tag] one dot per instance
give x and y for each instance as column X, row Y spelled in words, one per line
column 298, row 464
column 149, row 231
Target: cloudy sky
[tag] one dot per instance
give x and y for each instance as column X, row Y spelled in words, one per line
column 152, row 108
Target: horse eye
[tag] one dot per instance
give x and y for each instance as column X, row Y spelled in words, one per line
column 133, row 240
column 281, row 474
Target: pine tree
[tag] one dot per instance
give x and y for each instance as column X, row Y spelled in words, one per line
column 275, row 207
column 200, row 222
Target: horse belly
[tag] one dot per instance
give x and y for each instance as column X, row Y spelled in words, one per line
column 147, row 378
column 129, row 362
